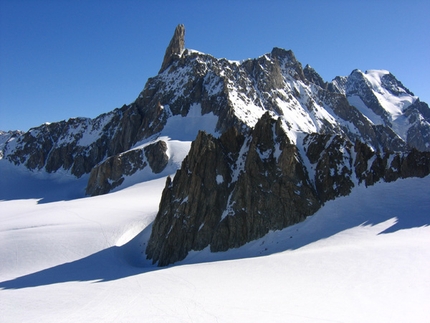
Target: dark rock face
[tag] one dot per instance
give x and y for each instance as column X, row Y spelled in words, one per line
column 79, row 144
column 7, row 137
column 181, row 203
column 230, row 191
column 372, row 167
column 332, row 157
column 393, row 85
column 175, row 48
column 156, row 156
column 111, row 172
column 418, row 134
column 272, row 190
column 58, row 145
column 313, row 77
column 237, row 188
column 358, row 86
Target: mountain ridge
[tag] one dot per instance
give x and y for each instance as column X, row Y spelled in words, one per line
column 235, row 189
column 215, row 83
column 271, row 142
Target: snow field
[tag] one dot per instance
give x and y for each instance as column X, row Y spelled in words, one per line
column 361, row 258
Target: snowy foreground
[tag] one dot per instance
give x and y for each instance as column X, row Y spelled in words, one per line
column 363, row 258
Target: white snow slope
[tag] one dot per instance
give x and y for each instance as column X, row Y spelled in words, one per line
column 362, row 258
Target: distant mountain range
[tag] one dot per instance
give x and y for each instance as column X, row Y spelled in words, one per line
column 272, row 142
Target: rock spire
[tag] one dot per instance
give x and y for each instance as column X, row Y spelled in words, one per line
column 175, row 48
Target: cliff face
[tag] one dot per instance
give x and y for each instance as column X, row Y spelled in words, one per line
column 175, row 48
column 230, row 191
column 112, row 172
column 237, row 188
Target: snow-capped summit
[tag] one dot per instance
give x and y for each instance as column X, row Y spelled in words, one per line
column 196, row 91
column 385, row 101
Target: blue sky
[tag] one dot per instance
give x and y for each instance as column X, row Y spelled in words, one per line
column 64, row 58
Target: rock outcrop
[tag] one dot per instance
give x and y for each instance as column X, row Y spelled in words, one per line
column 237, row 188
column 230, row 191
column 175, row 48
column 111, row 173
column 6, row 138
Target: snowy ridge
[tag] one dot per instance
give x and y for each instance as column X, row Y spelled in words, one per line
column 382, row 99
column 200, row 92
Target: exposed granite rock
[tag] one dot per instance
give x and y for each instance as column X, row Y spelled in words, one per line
column 156, row 156
column 313, row 77
column 184, row 221
column 406, row 128
column 237, row 188
column 393, row 85
column 380, row 137
column 332, row 156
column 418, row 135
column 371, row 167
column 175, row 48
column 358, row 86
column 414, row 164
column 230, row 191
column 5, row 138
column 111, row 172
column 272, row 190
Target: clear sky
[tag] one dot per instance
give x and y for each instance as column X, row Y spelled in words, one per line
column 63, row 58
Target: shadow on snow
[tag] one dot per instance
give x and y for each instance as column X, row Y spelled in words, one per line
column 106, row 265
column 17, row 183
column 392, row 207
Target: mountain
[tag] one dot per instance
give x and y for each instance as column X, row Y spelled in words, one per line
column 272, row 143
column 235, row 189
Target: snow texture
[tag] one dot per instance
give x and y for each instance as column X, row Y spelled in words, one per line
column 361, row 258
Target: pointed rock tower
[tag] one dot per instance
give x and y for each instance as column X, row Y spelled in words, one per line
column 175, row 48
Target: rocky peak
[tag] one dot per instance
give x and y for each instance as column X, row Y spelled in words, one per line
column 288, row 62
column 313, row 77
column 236, row 188
column 175, row 48
column 231, row 190
column 399, row 119
column 393, row 85
column 234, row 94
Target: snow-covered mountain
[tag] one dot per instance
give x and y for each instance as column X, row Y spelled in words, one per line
column 235, row 189
column 385, row 101
column 277, row 195
column 277, row 123
column 195, row 91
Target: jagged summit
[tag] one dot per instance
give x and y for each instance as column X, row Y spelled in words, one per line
column 278, row 142
column 235, row 189
column 196, row 91
column 175, row 48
